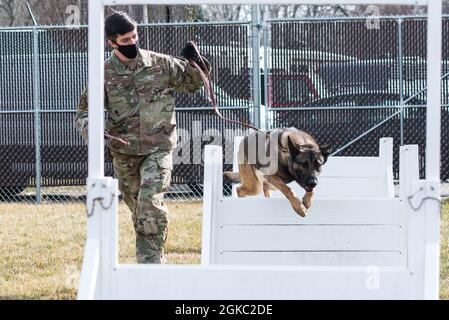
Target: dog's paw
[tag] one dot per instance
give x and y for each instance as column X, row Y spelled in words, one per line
column 231, row 177
column 241, row 192
column 266, row 189
column 299, row 207
column 307, row 200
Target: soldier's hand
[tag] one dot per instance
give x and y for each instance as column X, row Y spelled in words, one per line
column 192, row 54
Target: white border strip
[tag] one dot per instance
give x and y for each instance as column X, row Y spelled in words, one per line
column 310, row 2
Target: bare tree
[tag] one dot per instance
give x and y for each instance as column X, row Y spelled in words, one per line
column 58, row 10
column 296, row 11
column 446, row 6
column 13, row 12
column 170, row 13
column 227, row 12
column 389, row 10
column 7, row 12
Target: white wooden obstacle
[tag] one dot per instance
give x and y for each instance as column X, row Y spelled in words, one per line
column 343, row 177
column 370, row 233
column 416, row 275
column 339, row 230
column 386, row 254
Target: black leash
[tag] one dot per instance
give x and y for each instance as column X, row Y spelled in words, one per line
column 196, row 60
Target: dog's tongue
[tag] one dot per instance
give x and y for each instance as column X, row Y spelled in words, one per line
column 309, row 189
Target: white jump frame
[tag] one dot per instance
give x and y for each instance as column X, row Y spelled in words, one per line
column 338, row 231
column 102, row 277
column 384, row 233
column 346, row 177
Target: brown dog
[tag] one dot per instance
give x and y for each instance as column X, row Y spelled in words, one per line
column 270, row 163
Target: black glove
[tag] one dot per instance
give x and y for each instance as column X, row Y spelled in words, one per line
column 192, row 54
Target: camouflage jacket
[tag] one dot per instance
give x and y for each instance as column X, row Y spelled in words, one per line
column 140, row 104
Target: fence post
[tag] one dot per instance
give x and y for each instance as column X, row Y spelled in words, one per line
column 401, row 79
column 433, row 149
column 255, row 37
column 37, row 114
column 266, row 68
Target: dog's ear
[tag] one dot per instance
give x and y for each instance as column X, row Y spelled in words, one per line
column 294, row 150
column 326, row 150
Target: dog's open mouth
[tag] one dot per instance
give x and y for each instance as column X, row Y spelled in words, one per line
column 308, row 189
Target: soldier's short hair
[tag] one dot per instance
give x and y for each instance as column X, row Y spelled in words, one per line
column 118, row 23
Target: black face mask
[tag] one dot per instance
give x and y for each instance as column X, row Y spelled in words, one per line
column 129, row 51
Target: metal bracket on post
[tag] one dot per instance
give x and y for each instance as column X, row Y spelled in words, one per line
column 98, row 194
column 423, row 191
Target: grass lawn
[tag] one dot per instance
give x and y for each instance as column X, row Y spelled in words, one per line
column 41, row 247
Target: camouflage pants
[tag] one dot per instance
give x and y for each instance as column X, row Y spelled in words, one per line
column 143, row 181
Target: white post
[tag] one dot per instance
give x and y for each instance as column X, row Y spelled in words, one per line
column 255, row 42
column 95, row 129
column 433, row 90
column 100, row 252
column 410, row 220
column 208, row 206
column 432, row 206
column 213, row 171
column 88, row 283
column 96, row 91
column 386, row 158
column 235, row 162
column 408, row 169
column 108, row 236
column 309, row 2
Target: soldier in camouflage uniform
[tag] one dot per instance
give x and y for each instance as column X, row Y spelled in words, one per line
column 139, row 87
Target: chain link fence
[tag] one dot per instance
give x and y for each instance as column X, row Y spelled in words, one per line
column 350, row 83
column 44, row 71
column 338, row 79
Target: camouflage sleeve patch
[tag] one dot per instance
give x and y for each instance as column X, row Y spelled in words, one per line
column 81, row 116
column 184, row 77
